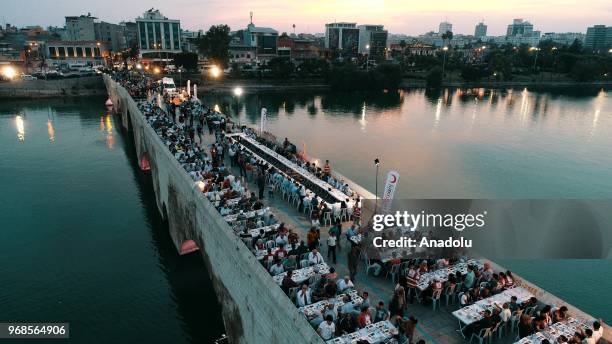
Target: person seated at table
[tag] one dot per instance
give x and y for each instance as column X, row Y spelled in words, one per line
column 470, row 278
column 509, row 279
column 270, row 220
column 281, row 239
column 395, row 260
column 562, row 340
column 323, row 209
column 539, row 323
column 288, row 282
column 257, row 205
column 300, row 250
column 434, row 287
column 292, row 236
column 531, row 303
column 345, row 284
column 412, row 279
column 365, row 318
column 597, row 330
column 329, row 288
column 546, row 313
column 381, row 313
column 347, row 324
column 281, row 253
column 259, row 244
column 328, row 310
column 225, row 210
column 277, row 268
column 269, row 257
column 303, row 296
column 513, row 304
column 332, row 275
column 560, row 314
column 477, row 326
column 423, row 267
column 504, row 312
column 314, row 257
column 365, row 297
column 465, row 299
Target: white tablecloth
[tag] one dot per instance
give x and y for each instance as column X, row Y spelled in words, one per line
column 373, row 333
column 474, row 312
column 301, row 275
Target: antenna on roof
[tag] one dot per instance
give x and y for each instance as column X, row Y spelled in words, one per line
column 251, row 13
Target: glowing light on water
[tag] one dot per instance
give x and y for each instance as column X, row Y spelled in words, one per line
column 110, row 139
column 20, row 128
column 50, row 130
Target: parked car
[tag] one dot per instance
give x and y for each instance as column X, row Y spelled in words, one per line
column 28, row 77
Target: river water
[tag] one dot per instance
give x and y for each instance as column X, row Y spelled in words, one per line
column 470, row 143
column 81, row 240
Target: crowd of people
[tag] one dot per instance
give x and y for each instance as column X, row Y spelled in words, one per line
column 180, row 126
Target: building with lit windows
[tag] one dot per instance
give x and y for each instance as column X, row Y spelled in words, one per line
column 159, row 38
column 74, row 54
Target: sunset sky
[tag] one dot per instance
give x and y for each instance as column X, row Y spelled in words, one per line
column 407, row 16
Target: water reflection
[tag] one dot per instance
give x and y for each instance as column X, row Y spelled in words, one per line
column 20, row 128
column 106, row 125
column 50, row 130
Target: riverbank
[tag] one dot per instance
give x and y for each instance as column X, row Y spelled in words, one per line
column 319, row 84
column 71, row 87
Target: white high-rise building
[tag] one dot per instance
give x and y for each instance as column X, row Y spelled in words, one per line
column 445, row 27
column 158, row 36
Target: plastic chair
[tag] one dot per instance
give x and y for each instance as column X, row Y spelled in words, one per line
column 435, row 299
column 270, row 244
column 327, row 218
column 449, row 294
column 304, row 263
column 482, row 335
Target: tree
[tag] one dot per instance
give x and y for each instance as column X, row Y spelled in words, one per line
column 586, row 70
column 434, row 77
column 186, row 60
column 280, row 67
column 215, row 44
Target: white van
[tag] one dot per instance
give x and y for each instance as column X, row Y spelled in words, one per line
column 168, row 85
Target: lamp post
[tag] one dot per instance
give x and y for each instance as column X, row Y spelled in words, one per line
column 535, row 59
column 367, row 57
column 444, row 61
column 376, row 162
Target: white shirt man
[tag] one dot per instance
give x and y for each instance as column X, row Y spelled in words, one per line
column 303, row 296
column 277, row 269
column 327, row 329
column 314, row 257
column 282, row 240
column 345, row 284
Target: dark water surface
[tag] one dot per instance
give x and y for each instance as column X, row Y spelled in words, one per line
column 81, row 240
column 470, row 143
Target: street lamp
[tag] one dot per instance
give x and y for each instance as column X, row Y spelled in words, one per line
column 376, row 162
column 215, row 71
column 535, row 59
column 444, row 60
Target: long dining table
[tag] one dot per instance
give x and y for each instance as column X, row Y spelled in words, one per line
column 323, row 189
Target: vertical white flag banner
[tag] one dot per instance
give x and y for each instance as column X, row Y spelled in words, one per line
column 188, row 87
column 389, row 190
column 264, row 119
column 195, row 91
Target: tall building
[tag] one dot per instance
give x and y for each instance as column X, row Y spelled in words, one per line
column 158, row 36
column 80, row 28
column 520, row 27
column 598, row 38
column 480, row 30
column 371, row 39
column 563, row 37
column 342, row 36
column 253, row 44
column 445, row 27
column 130, row 33
column 111, row 34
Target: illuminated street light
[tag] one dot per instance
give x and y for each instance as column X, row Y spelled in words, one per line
column 445, row 48
column 9, row 72
column 156, row 70
column 138, row 66
column 238, row 91
column 215, row 71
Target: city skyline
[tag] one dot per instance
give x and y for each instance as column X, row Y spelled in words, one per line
column 399, row 18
